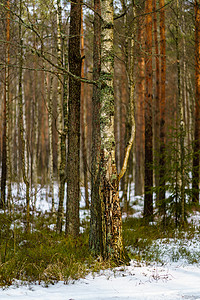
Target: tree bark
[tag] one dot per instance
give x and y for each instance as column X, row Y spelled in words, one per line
column 73, row 158
column 61, row 124
column 83, row 118
column 5, row 167
column 112, row 242
column 148, row 180
column 156, row 107
column 162, row 179
column 22, row 127
column 95, row 241
column 140, row 121
column 195, row 171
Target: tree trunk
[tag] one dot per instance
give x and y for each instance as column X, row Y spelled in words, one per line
column 50, row 121
column 162, row 169
column 95, row 241
column 73, row 158
column 5, row 167
column 181, row 124
column 156, row 107
column 22, row 127
column 83, row 118
column 112, row 242
column 61, row 129
column 148, row 180
column 195, row 171
column 139, row 135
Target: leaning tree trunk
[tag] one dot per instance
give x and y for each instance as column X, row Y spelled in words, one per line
column 73, row 158
column 195, row 171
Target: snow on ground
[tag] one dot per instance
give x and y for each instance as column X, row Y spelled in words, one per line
column 177, row 276
column 144, row 282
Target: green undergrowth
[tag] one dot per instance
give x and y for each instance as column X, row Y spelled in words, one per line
column 42, row 256
column 151, row 243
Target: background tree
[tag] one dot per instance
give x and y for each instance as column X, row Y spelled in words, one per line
column 148, row 181
column 73, row 156
column 195, row 175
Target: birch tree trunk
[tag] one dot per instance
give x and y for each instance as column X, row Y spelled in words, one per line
column 50, row 122
column 61, row 130
column 22, row 127
column 112, row 242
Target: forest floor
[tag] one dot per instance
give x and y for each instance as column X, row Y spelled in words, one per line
column 168, row 268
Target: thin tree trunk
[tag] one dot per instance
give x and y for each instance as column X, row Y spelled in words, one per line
column 140, row 138
column 62, row 135
column 22, row 127
column 162, row 204
column 195, row 171
column 8, row 109
column 73, row 158
column 125, row 113
column 180, row 122
column 148, row 181
column 50, row 121
column 5, row 167
column 83, row 118
column 156, row 103
column 35, row 127
column 95, row 241
column 130, row 121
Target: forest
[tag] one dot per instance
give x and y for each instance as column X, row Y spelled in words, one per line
column 99, row 114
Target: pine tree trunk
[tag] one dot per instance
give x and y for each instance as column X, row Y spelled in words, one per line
column 162, row 204
column 83, row 119
column 139, row 135
column 180, row 122
column 95, row 241
column 148, row 180
column 195, row 171
column 35, row 132
column 8, row 109
column 73, row 158
column 156, row 107
column 5, row 149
